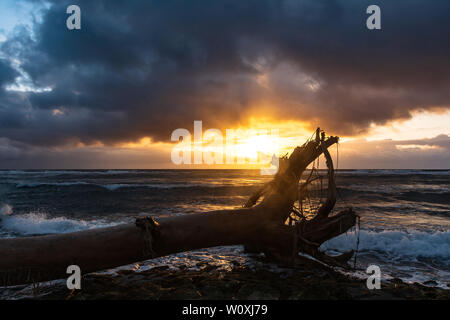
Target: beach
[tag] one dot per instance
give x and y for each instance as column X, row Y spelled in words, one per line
column 309, row 281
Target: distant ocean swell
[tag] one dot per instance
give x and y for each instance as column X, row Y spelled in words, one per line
column 432, row 196
column 441, row 195
column 113, row 187
column 373, row 172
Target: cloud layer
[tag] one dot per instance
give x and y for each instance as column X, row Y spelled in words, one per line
column 145, row 68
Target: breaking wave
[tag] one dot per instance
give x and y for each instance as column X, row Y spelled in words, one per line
column 396, row 243
column 35, row 223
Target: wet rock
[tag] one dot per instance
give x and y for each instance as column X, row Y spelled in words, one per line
column 396, row 280
column 241, row 282
column 181, row 294
column 258, row 291
column 125, row 272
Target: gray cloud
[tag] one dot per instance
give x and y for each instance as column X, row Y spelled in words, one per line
column 356, row 154
column 144, row 68
column 7, row 73
column 431, row 153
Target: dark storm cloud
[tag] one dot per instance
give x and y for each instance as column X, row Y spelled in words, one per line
column 7, row 73
column 145, row 68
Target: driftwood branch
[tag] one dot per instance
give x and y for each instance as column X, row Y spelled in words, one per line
column 259, row 225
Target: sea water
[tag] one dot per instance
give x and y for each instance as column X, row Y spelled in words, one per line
column 404, row 228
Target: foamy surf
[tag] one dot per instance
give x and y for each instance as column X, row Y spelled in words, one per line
column 389, row 247
column 396, row 243
column 411, row 255
column 38, row 223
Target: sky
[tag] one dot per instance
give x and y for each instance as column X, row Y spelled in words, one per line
column 110, row 94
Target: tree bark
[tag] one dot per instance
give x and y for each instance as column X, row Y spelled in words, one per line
column 259, row 225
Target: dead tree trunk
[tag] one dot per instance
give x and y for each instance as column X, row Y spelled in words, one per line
column 258, row 225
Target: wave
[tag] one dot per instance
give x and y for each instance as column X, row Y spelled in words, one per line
column 396, row 188
column 39, row 223
column 393, row 172
column 116, row 186
column 113, row 187
column 396, row 243
column 71, row 172
column 435, row 197
column 40, row 184
column 435, row 194
column 5, row 210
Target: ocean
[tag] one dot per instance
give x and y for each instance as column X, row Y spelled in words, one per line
column 404, row 227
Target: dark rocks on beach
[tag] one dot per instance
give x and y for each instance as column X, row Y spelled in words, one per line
column 300, row 283
column 258, row 291
column 430, row 283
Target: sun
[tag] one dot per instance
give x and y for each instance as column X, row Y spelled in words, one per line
column 256, row 146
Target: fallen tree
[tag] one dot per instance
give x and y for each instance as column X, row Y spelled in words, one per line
column 269, row 222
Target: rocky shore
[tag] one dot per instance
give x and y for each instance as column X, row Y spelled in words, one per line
column 310, row 281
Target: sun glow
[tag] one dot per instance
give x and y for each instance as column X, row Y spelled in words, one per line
column 289, row 134
column 249, row 145
column 253, row 145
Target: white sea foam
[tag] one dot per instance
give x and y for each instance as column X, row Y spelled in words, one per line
column 5, row 209
column 389, row 246
column 35, row 223
column 396, row 243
